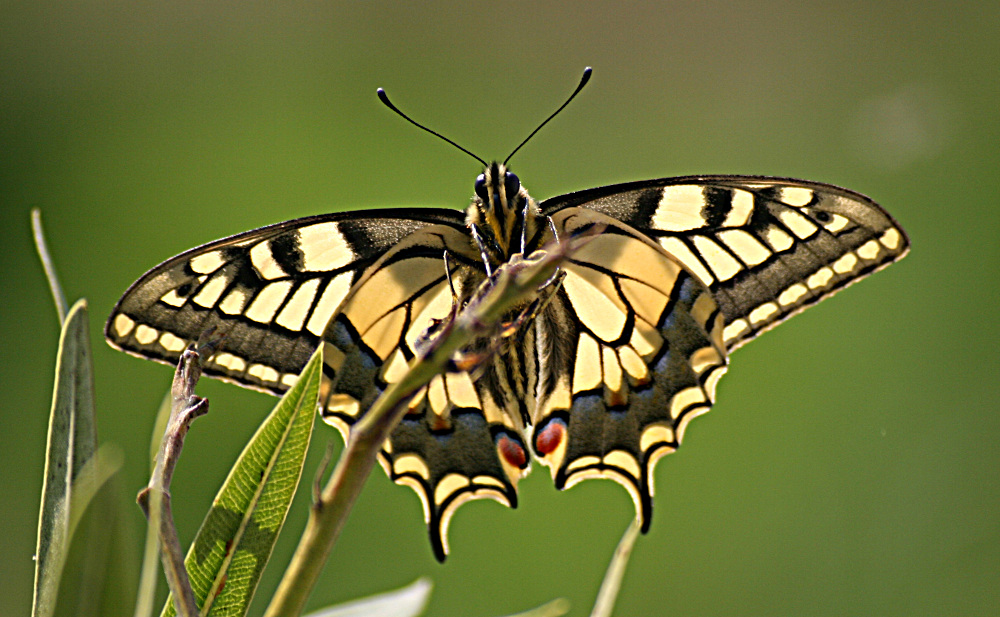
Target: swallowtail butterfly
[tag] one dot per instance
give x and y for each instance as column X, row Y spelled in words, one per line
column 618, row 356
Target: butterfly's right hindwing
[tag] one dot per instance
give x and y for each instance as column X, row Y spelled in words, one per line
column 268, row 293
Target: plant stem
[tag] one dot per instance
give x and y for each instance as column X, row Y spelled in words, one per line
column 155, row 498
column 511, row 284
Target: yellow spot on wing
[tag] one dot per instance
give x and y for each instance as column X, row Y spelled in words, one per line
column 173, row 299
column 588, row 291
column 719, row 260
column 704, row 358
column 778, row 239
column 123, row 324
column 583, row 461
column 646, row 339
column 333, row 295
column 229, row 361
column 891, row 239
column 436, row 396
column 293, row 316
column 489, row 480
column 324, row 247
column 263, row 261
column 746, row 247
column 869, row 250
column 449, row 484
column 434, row 304
column 267, row 302
column 680, row 208
column 207, row 263
column 836, row 223
column 146, row 335
column 796, row 195
column 395, row 368
column 742, row 208
column 655, row 434
column 623, row 460
column 587, row 370
column 820, row 278
column 264, row 373
column 763, row 313
column 171, row 342
column 681, row 252
column 684, row 399
column 612, row 370
column 797, row 223
column 792, row 295
column 210, row 293
column 411, row 463
column 647, row 302
column 461, row 390
column 633, row 365
column 234, row 302
column 735, row 329
column 713, row 380
column 384, row 335
column 845, row 264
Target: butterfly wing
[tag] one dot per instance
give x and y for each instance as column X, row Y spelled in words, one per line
column 269, row 292
column 765, row 247
column 455, row 442
column 630, row 351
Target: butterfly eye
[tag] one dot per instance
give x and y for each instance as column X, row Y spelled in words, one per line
column 511, row 185
column 481, row 188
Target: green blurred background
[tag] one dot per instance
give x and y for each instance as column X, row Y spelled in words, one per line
column 851, row 464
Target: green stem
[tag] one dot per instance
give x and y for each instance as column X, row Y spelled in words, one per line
column 514, row 282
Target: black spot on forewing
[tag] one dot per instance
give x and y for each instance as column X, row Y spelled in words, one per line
column 718, row 204
column 645, row 207
column 286, row 252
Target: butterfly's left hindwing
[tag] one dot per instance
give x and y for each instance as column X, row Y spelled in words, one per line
column 268, row 293
column 631, row 351
column 454, row 443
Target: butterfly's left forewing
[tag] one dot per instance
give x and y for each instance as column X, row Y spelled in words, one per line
column 268, row 293
column 631, row 350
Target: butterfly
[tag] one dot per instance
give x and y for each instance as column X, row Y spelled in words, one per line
column 595, row 376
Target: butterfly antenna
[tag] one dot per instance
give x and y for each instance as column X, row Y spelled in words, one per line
column 583, row 82
column 382, row 96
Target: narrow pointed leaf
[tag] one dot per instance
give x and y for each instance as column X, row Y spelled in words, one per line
column 408, row 601
column 606, row 597
column 72, row 441
column 555, row 608
column 235, row 540
column 99, row 572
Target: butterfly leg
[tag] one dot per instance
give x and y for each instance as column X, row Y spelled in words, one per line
column 482, row 250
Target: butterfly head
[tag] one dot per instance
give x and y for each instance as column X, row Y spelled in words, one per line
column 502, row 212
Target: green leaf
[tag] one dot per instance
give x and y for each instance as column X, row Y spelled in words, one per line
column 235, row 540
column 606, row 597
column 408, row 601
column 99, row 573
column 555, row 608
column 72, row 441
